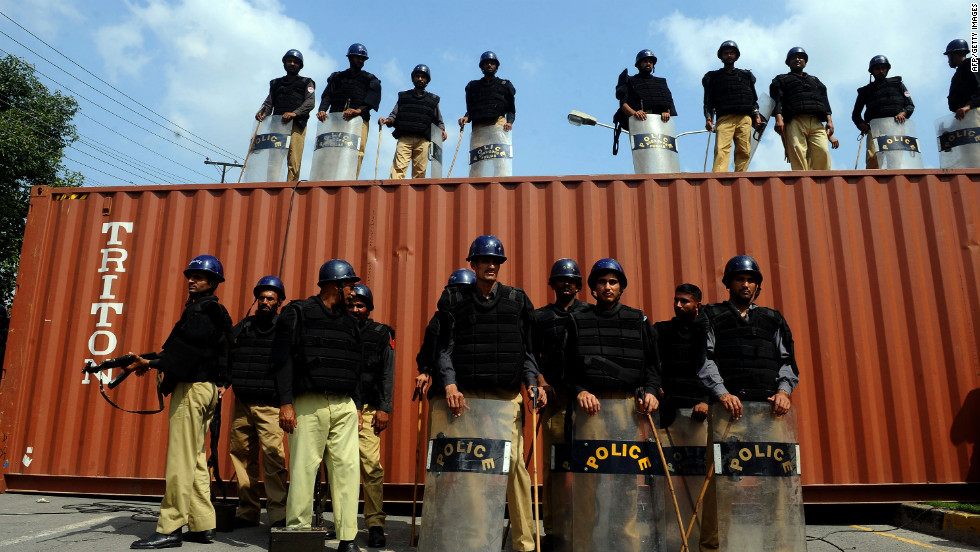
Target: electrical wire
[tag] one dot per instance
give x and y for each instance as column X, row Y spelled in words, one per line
column 140, row 513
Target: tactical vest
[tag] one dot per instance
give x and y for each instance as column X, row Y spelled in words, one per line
column 801, row 96
column 549, row 325
column 288, row 96
column 745, row 351
column 610, row 345
column 251, row 362
column 731, row 92
column 486, row 101
column 192, row 352
column 962, row 87
column 488, row 349
column 886, row 99
column 415, row 115
column 332, row 355
column 680, row 369
column 349, row 90
column 375, row 336
column 649, row 94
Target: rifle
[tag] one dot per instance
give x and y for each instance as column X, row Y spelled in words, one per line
column 121, row 362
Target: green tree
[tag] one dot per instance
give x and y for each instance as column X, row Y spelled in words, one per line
column 35, row 129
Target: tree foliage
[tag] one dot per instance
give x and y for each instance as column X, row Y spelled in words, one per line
column 35, row 128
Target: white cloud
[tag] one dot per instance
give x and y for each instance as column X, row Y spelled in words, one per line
column 44, row 18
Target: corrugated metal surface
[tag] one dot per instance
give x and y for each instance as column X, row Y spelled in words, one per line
column 877, row 273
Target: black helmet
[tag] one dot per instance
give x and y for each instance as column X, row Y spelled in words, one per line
column 270, row 283
column 357, row 49
column 336, row 269
column 729, row 44
column 607, row 265
column 294, row 53
column 424, row 69
column 958, row 45
column 208, row 264
column 565, row 268
column 741, row 263
column 643, row 54
column 462, row 277
column 878, row 60
column 487, row 246
column 796, row 51
column 364, row 292
column 488, row 56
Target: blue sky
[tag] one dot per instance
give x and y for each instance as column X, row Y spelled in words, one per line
column 205, row 65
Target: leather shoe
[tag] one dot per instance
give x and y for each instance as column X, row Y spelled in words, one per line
column 280, row 523
column 547, row 543
column 348, row 546
column 158, row 540
column 376, row 537
column 241, row 523
column 331, row 532
column 203, row 537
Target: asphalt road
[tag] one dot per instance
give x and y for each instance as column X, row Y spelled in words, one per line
column 99, row 525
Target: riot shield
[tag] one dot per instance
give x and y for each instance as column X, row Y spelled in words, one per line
column 959, row 141
column 435, row 152
column 766, row 105
column 685, row 443
column 466, row 476
column 491, row 151
column 617, row 480
column 895, row 144
column 337, row 144
column 654, row 145
column 267, row 154
column 757, row 479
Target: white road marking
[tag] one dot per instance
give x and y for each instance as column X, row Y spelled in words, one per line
column 65, row 529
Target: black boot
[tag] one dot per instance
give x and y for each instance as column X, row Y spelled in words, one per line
column 203, row 537
column 376, row 537
column 348, row 546
column 158, row 540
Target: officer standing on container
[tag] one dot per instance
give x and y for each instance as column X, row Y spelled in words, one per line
column 729, row 94
column 194, row 363
column 884, row 97
column 490, row 316
column 291, row 97
column 489, row 100
column 413, row 116
column 377, row 389
column 255, row 421
column 964, row 87
column 549, row 333
column 678, row 362
column 643, row 93
column 801, row 110
column 318, row 358
column 353, row 92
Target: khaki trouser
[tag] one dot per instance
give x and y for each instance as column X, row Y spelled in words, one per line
column 372, row 473
column 414, row 149
column 738, row 127
column 806, row 144
column 324, row 421
column 871, row 158
column 297, row 141
column 552, row 431
column 254, row 429
column 360, row 153
column 501, row 121
column 187, row 500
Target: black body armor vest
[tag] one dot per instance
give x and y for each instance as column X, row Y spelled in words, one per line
column 489, row 348
column 731, row 92
column 486, row 101
column 610, row 345
column 288, row 96
column 415, row 115
column 375, row 336
column 649, row 94
column 332, row 355
column 549, row 324
column 745, row 351
column 680, row 367
column 251, row 362
column 883, row 100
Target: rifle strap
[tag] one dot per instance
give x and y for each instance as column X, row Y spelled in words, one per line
column 159, row 398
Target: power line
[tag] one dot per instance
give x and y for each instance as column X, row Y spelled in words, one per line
column 144, row 176
column 99, row 170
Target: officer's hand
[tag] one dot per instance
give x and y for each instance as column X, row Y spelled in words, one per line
column 463, row 121
column 259, row 116
column 830, row 128
column 732, row 405
column 140, row 364
column 221, row 391
column 322, row 115
column 444, row 136
column 422, row 382
column 900, row 118
column 456, row 400
column 380, row 421
column 542, row 397
column 351, row 113
column 961, row 112
column 709, row 125
column 865, row 127
column 360, row 421
column 700, row 412
column 287, row 418
column 550, row 392
column 780, row 402
column 780, row 126
column 641, row 115
column 665, row 116
column 834, row 142
column 648, row 405
column 288, row 116
column 508, row 127
column 758, row 121
column 589, row 403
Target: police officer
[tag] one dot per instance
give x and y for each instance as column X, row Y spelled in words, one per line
column 487, row 355
column 255, row 421
column 292, row 97
column 678, row 361
column 194, row 362
column 964, row 87
column 377, row 388
column 643, row 93
column 426, row 358
column 801, row 109
column 413, row 116
column 489, row 100
column 729, row 94
column 353, row 92
column 318, row 358
column 884, row 97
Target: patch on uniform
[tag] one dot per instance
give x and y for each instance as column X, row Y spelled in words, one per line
column 908, row 94
column 764, row 459
column 465, row 454
column 310, row 89
column 391, row 341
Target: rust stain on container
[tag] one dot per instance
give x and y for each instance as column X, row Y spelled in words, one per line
column 878, row 274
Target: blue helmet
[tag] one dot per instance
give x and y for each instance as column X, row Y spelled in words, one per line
column 486, row 246
column 878, row 60
column 424, row 69
column 357, row 49
column 958, row 45
column 267, row 283
column 796, row 51
column 361, row 290
column 606, row 265
column 294, row 53
column 208, row 264
column 643, row 54
column 740, row 263
column 729, row 44
column 488, row 56
column 565, row 268
column 334, row 270
column 462, row 277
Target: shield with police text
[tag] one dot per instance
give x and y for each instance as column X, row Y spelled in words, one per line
column 267, row 154
column 335, row 151
column 756, row 465
column 685, row 444
column 959, row 141
column 466, row 476
column 435, row 152
column 895, row 144
column 491, row 151
column 617, row 491
column 766, row 105
column 654, row 145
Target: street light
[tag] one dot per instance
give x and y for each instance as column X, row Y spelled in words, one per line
column 578, row 118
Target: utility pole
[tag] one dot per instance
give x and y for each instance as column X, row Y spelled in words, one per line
column 224, row 166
